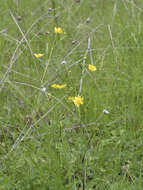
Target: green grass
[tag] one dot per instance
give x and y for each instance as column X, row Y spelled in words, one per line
column 46, row 142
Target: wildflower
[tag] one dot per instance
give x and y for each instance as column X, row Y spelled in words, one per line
column 49, row 9
column 38, row 55
column 58, row 86
column 58, row 30
column 77, row 100
column 43, row 89
column 88, row 20
column 106, row 112
column 63, row 63
column 91, row 67
column 74, row 41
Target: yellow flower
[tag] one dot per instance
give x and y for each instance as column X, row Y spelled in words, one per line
column 38, row 55
column 58, row 30
column 91, row 67
column 58, row 86
column 77, row 100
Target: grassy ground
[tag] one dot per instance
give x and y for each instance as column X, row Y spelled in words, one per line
column 47, row 142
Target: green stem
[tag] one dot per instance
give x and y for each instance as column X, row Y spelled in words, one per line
column 54, row 12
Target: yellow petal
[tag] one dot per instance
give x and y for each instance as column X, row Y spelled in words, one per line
column 92, row 67
column 38, row 55
column 58, row 86
column 77, row 100
column 58, row 30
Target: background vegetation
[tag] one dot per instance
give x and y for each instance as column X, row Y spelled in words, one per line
column 46, row 142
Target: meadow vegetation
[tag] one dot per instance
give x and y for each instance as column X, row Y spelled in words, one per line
column 71, row 95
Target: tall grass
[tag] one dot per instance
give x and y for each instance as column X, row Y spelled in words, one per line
column 46, row 141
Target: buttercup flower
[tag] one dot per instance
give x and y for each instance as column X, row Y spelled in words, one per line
column 91, row 67
column 58, row 86
column 38, row 55
column 77, row 100
column 58, row 30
